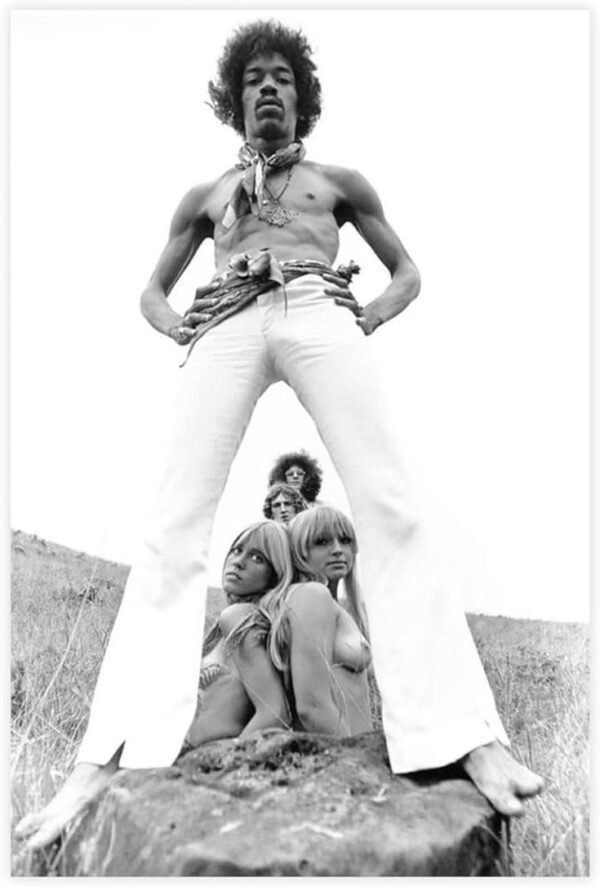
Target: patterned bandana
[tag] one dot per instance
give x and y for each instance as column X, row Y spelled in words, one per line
column 248, row 194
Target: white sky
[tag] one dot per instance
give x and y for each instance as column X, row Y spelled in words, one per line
column 473, row 126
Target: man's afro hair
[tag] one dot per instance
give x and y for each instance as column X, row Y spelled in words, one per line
column 312, row 482
column 265, row 38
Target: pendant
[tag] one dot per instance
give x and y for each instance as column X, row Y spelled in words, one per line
column 275, row 214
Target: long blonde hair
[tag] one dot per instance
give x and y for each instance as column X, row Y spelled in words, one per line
column 304, row 529
column 271, row 538
column 324, row 521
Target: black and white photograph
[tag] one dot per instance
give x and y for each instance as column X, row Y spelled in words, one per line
column 299, row 442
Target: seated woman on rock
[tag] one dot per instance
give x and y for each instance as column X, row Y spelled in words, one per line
column 258, row 563
column 319, row 646
column 297, row 632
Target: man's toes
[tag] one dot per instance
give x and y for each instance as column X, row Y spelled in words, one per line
column 527, row 788
column 27, row 826
column 45, row 835
column 506, row 802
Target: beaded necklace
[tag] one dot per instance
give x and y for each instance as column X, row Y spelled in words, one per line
column 271, row 210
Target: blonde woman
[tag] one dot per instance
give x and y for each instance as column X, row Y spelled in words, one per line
column 320, row 642
column 258, row 563
column 319, row 646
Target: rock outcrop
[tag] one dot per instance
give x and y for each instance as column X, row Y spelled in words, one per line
column 283, row 803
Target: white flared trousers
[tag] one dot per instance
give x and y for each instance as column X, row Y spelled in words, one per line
column 437, row 704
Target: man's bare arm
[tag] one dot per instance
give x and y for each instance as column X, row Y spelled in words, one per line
column 363, row 208
column 189, row 228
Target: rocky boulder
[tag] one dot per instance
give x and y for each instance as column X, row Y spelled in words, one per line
column 282, row 803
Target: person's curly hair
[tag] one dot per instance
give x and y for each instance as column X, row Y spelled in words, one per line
column 265, row 38
column 297, row 499
column 311, row 486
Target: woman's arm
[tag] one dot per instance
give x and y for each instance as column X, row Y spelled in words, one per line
column 312, row 619
column 261, row 680
column 263, row 684
column 226, row 709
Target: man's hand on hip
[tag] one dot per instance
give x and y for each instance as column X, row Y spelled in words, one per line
column 180, row 333
column 201, row 311
column 343, row 296
column 203, row 307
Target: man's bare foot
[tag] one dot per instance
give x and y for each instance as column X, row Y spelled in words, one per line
column 82, row 786
column 501, row 779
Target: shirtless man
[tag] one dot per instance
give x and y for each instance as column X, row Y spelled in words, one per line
column 274, row 220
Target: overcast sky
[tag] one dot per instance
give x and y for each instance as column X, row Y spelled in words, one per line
column 473, row 126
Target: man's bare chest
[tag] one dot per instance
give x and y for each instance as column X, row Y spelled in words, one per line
column 297, row 189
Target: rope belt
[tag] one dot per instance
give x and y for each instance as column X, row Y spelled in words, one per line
column 250, row 275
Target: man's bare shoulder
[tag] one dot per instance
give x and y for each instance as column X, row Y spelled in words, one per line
column 342, row 176
column 351, row 189
column 196, row 208
column 200, row 195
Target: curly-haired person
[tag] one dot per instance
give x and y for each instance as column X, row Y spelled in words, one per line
column 276, row 310
column 299, row 470
column 265, row 38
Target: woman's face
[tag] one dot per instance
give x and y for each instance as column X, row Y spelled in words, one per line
column 247, row 570
column 331, row 555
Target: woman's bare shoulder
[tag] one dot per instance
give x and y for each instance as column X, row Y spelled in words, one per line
column 232, row 615
column 308, row 596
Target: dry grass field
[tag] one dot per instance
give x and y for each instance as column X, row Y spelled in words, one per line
column 64, row 604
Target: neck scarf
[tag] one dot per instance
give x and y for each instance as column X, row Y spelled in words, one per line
column 248, row 194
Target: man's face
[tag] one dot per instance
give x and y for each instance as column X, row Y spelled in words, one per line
column 294, row 476
column 282, row 508
column 269, row 98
